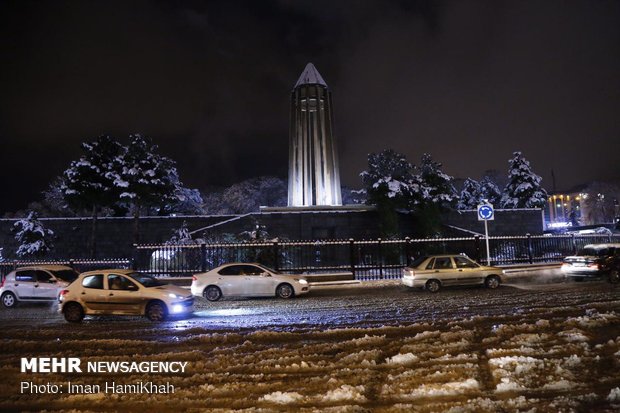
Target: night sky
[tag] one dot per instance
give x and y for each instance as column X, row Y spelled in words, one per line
column 467, row 81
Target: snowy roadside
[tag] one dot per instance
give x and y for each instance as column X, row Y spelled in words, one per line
column 545, row 361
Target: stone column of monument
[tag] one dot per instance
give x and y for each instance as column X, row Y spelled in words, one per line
column 314, row 177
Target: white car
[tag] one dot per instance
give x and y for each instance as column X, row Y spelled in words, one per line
column 437, row 271
column 40, row 283
column 247, row 280
column 122, row 292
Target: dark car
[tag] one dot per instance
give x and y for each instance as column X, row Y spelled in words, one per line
column 594, row 260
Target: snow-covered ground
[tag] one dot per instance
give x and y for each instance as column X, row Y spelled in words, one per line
column 545, row 348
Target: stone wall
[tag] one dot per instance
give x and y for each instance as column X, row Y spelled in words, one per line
column 506, row 222
column 115, row 235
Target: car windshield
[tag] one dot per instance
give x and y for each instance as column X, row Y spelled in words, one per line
column 146, row 280
column 596, row 252
column 65, row 275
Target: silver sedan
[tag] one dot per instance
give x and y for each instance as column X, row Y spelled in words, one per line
column 437, row 271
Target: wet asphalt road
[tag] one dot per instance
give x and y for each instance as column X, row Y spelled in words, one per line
column 384, row 303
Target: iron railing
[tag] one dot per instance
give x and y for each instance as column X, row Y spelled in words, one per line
column 366, row 259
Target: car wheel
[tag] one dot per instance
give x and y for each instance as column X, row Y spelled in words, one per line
column 73, row 312
column 212, row 293
column 156, row 311
column 492, row 282
column 285, row 291
column 9, row 300
column 433, row 286
column 614, row 276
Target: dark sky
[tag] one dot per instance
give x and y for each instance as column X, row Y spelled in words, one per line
column 467, row 81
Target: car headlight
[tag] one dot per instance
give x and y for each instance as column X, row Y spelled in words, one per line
column 171, row 295
column 301, row 281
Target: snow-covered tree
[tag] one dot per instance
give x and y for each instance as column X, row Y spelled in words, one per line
column 388, row 178
column 470, row 195
column 489, row 191
column 189, row 202
column 249, row 195
column 147, row 180
column 352, row 196
column 91, row 183
column 214, row 203
column 388, row 184
column 437, row 187
column 34, row 239
column 523, row 189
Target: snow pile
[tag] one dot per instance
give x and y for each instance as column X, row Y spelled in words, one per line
column 282, row 398
column 614, row 395
column 574, row 335
column 446, row 389
column 345, row 392
column 403, row 359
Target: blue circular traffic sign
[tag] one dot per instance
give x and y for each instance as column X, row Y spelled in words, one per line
column 485, row 212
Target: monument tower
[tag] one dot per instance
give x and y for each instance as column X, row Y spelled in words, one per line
column 313, row 176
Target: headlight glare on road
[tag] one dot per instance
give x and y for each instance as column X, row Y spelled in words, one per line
column 177, row 308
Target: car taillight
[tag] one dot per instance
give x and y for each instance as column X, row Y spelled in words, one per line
column 593, row 265
column 63, row 292
column 2, row 283
column 194, row 278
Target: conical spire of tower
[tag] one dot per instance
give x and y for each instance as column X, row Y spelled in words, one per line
column 310, row 76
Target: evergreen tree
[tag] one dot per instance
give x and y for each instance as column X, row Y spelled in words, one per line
column 34, row 239
column 470, row 195
column 438, row 185
column 388, row 184
column 148, row 180
column 91, row 183
column 188, row 202
column 523, row 189
column 388, row 178
column 490, row 191
column 249, row 195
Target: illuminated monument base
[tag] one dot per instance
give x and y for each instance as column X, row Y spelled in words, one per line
column 314, row 178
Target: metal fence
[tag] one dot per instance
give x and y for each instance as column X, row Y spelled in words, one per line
column 367, row 259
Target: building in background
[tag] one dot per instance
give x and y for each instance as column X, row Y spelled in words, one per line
column 314, row 178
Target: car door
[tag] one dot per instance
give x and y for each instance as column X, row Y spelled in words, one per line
column 468, row 271
column 92, row 293
column 230, row 280
column 24, row 283
column 258, row 282
column 123, row 295
column 46, row 287
column 443, row 270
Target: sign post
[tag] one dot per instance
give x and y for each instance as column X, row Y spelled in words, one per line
column 486, row 213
